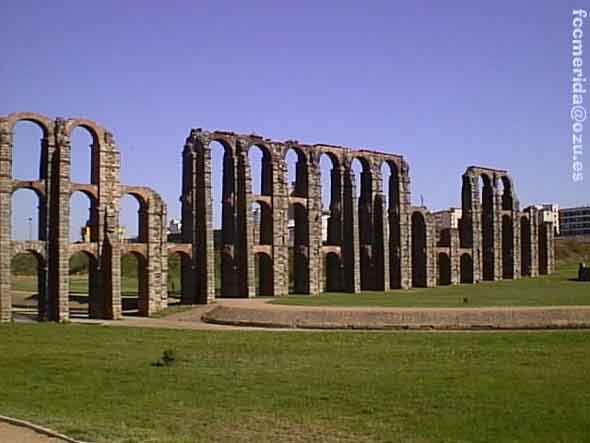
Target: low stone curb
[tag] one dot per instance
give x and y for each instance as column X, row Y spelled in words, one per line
column 39, row 429
column 404, row 319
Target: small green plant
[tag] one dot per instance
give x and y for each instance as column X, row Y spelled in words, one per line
column 168, row 358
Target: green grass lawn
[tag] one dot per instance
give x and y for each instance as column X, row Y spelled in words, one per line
column 555, row 289
column 99, row 384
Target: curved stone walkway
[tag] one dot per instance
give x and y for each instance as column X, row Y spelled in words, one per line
column 258, row 314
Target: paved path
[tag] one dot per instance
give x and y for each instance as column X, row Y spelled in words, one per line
column 18, row 434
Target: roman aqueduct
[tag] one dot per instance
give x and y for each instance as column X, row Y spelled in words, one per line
column 375, row 240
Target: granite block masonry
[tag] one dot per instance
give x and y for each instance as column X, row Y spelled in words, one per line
column 376, row 240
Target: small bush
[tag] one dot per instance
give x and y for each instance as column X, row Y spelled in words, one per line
column 168, row 358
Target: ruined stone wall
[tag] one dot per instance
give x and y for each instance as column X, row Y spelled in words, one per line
column 376, row 239
column 54, row 188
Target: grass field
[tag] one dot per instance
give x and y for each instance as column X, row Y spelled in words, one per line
column 99, row 384
column 559, row 288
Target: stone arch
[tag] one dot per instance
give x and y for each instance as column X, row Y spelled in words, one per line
column 419, row 271
column 466, row 268
column 300, row 187
column 96, row 131
column 331, row 197
column 444, row 269
column 42, row 121
column 525, row 246
column 142, row 198
column 266, row 168
column 88, row 163
column 29, row 149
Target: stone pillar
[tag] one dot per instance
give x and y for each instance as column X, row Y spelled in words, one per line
column 405, row 227
column 454, row 256
column 431, row 255
column 497, row 229
column 314, row 220
column 244, row 246
column 59, row 224
column 471, row 221
column 197, row 221
column 280, row 210
column 550, row 248
column 108, row 236
column 5, row 196
column 516, row 249
column 533, row 217
column 190, row 289
column 350, row 240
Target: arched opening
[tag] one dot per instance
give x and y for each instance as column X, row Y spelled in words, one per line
column 487, row 226
column 466, row 223
column 134, row 293
column 466, row 268
column 507, row 197
column 133, row 219
column 297, row 223
column 333, row 273
column 260, row 170
column 176, row 263
column 264, row 275
column 29, row 151
column 85, row 298
column 331, row 180
column 28, row 215
column 418, row 250
column 298, row 247
column 391, row 188
column 364, row 182
column 223, row 216
column 444, row 269
column 507, row 247
column 83, row 218
column 297, row 182
column 525, row 247
column 28, row 286
column 543, row 253
column 83, row 149
column 262, row 223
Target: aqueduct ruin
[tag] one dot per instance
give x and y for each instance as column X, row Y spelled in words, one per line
column 375, row 240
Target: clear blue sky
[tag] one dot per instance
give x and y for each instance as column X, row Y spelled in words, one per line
column 446, row 84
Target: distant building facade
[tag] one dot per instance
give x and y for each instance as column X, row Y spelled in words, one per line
column 449, row 218
column 574, row 221
column 549, row 213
